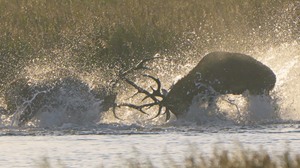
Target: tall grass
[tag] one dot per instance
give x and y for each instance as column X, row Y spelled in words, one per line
column 99, row 33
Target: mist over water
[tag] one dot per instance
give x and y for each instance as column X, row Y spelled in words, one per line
column 278, row 48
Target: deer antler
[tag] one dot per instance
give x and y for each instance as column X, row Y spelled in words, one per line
column 138, row 66
column 155, row 92
column 153, row 96
column 156, row 95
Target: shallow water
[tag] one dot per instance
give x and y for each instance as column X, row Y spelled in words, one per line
column 115, row 145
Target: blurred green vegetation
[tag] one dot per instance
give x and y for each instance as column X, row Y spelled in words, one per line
column 97, row 33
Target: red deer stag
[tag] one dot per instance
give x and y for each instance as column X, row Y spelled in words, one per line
column 216, row 73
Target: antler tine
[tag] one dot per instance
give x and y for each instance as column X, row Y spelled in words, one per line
column 167, row 112
column 158, row 113
column 156, row 92
column 134, row 94
column 137, row 107
column 157, row 82
column 114, row 112
column 139, row 65
column 141, row 90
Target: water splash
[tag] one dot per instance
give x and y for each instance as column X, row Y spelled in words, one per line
column 70, row 106
column 54, row 95
column 230, row 109
column 277, row 48
column 284, row 61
